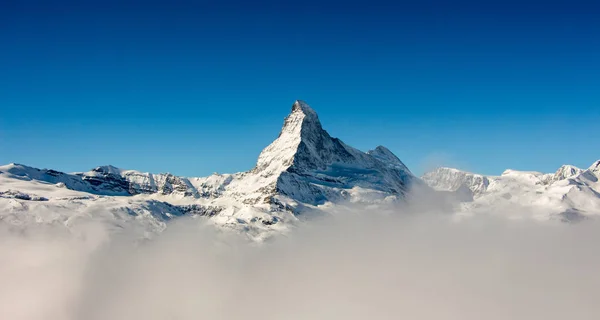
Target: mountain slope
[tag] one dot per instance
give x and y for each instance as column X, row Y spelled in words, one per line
column 301, row 170
column 304, row 170
column 449, row 179
column 307, row 165
column 570, row 193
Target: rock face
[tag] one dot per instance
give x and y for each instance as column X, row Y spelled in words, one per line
column 564, row 172
column 307, row 165
column 14, row 194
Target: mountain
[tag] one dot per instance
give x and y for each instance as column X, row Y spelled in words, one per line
column 301, row 171
column 307, row 165
column 449, row 179
column 106, row 180
column 569, row 194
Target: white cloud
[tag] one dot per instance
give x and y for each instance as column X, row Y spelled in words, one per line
column 366, row 266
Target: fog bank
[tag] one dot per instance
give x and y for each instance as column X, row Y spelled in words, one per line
column 348, row 266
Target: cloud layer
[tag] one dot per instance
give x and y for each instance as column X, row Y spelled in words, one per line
column 352, row 265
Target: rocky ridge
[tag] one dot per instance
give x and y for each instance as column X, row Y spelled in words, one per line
column 301, row 170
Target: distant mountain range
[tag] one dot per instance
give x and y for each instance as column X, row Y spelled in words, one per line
column 303, row 170
column 570, row 193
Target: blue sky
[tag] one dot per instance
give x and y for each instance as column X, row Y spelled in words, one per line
column 197, row 87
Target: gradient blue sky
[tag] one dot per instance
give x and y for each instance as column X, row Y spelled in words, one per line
column 197, row 87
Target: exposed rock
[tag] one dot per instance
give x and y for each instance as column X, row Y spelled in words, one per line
column 15, row 194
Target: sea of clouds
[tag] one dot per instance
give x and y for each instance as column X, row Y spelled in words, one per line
column 350, row 265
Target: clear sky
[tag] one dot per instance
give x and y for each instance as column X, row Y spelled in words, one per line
column 197, row 87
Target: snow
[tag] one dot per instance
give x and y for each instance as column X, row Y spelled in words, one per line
column 595, row 167
column 570, row 193
column 304, row 170
column 384, row 155
column 449, row 179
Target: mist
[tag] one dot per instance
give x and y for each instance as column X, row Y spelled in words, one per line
column 354, row 264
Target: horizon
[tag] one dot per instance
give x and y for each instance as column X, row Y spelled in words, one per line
column 377, row 146
column 197, row 88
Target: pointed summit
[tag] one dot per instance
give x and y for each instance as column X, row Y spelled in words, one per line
column 301, row 106
column 595, row 167
column 300, row 127
column 566, row 171
column 302, row 118
column 306, row 164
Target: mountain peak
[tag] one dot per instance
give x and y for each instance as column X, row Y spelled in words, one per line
column 565, row 171
column 302, row 106
column 108, row 169
column 450, row 179
column 301, row 115
column 595, row 166
column 301, row 125
column 384, row 155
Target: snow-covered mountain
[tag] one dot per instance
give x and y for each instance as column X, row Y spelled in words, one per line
column 303, row 170
column 108, row 180
column 570, row 193
column 305, row 164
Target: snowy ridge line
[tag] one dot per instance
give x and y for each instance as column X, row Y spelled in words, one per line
column 303, row 170
column 569, row 194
